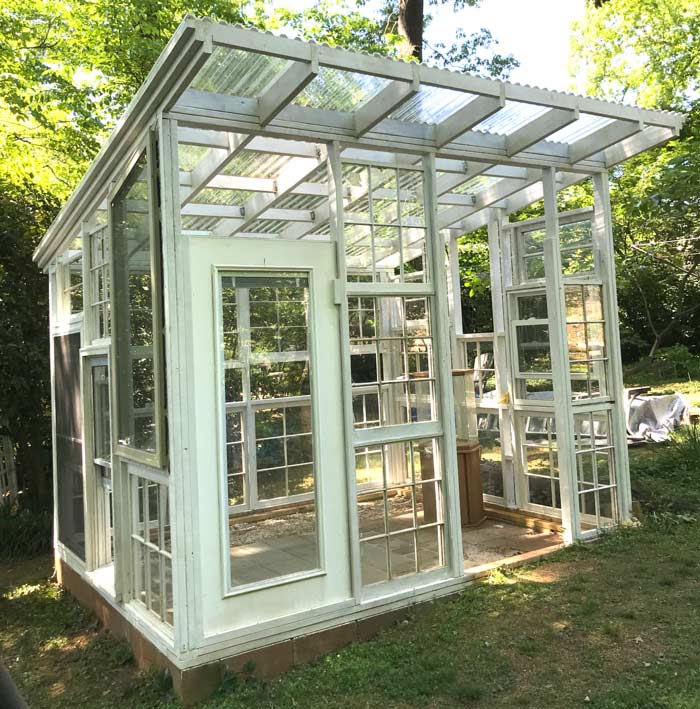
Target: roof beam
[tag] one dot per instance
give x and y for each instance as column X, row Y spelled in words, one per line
column 300, row 230
column 497, row 192
column 539, row 128
column 466, row 118
column 285, row 87
column 384, row 103
column 603, row 138
column 292, row 174
column 213, row 162
column 638, row 143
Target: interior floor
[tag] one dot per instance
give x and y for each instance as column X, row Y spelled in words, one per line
column 268, row 554
column 494, row 540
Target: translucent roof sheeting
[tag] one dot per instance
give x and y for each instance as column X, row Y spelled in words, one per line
column 255, row 111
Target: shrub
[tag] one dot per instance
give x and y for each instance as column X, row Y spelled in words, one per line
column 25, row 529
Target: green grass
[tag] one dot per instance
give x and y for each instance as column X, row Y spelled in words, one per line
column 608, row 625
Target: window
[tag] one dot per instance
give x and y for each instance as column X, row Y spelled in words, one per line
column 137, row 317
column 269, row 431
column 539, row 459
column 391, row 360
column 392, row 382
column 585, row 328
column 399, row 511
column 576, row 246
column 151, row 548
column 595, row 468
column 98, row 299
column 102, row 461
column 69, row 443
column 385, row 235
column 73, row 278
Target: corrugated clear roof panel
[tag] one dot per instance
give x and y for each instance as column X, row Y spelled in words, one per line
column 238, row 73
column 512, row 116
column 586, row 124
column 214, row 195
column 250, row 163
column 432, row 104
column 340, row 90
column 476, row 184
column 301, row 201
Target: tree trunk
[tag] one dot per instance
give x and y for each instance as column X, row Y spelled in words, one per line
column 411, row 27
column 655, row 346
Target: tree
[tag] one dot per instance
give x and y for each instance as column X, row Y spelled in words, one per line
column 25, row 214
column 648, row 51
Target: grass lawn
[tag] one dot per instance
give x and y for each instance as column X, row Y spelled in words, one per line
column 611, row 624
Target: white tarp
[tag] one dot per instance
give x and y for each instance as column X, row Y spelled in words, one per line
column 654, row 417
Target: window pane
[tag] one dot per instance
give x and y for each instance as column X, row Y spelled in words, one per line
column 270, row 467
column 134, row 305
column 69, row 444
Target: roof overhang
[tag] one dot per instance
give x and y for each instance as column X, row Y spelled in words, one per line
column 258, row 86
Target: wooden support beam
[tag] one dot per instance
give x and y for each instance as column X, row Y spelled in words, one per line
column 486, row 198
column 295, row 172
column 466, row 118
column 300, row 230
column 539, row 128
column 289, row 84
column 638, row 143
column 603, row 138
column 213, row 162
column 385, row 102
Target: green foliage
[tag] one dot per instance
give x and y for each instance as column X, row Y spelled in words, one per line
column 647, row 51
column 25, row 530
column 666, row 476
column 25, row 213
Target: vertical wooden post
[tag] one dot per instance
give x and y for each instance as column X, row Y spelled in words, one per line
column 603, row 240
column 556, row 311
column 436, row 245
column 498, row 273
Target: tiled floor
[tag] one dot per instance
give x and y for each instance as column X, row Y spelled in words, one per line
column 272, row 556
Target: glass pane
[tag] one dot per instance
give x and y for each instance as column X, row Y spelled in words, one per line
column 533, row 348
column 134, row 306
column 69, row 447
column 271, row 484
column 100, row 410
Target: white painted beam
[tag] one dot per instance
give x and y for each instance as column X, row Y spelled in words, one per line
column 603, row 138
column 638, row 143
column 466, row 118
column 539, row 128
column 294, row 173
column 289, row 84
column 213, row 162
column 384, row 103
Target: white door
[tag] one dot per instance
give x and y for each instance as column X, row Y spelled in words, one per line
column 269, row 426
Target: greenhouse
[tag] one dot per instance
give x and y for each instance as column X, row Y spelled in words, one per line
column 273, row 428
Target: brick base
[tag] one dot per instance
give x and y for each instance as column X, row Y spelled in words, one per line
column 194, row 684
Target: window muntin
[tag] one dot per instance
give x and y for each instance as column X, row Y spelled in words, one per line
column 98, row 298
column 269, row 431
column 384, row 216
column 391, row 360
column 400, row 515
column 595, row 469
column 136, row 312
column 151, row 547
